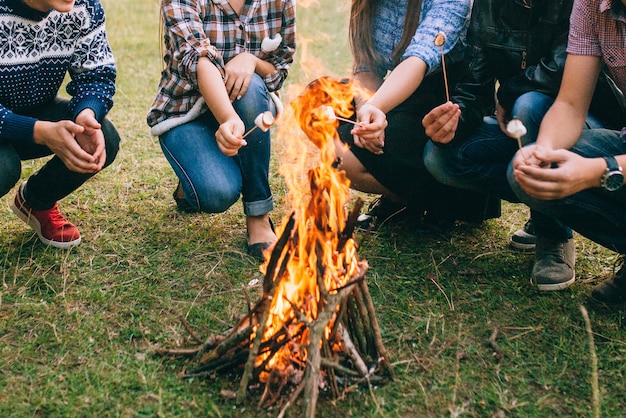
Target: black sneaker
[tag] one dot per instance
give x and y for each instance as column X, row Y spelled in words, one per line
column 181, row 202
column 525, row 238
column 379, row 211
column 612, row 292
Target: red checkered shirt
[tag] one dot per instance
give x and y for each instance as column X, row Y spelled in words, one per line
column 598, row 28
column 211, row 28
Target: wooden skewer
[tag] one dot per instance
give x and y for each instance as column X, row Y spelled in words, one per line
column 249, row 130
column 348, row 120
column 440, row 39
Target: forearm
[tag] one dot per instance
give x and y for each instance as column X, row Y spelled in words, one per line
column 212, row 88
column 264, row 68
column 400, row 84
column 561, row 126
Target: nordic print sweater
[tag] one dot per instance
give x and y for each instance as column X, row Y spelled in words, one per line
column 37, row 50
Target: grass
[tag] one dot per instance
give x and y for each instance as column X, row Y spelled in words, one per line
column 77, row 327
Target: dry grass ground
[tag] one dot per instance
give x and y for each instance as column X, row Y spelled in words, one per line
column 77, row 327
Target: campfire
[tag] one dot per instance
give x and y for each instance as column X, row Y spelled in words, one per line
column 314, row 325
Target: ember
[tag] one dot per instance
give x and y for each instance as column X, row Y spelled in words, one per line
column 314, row 324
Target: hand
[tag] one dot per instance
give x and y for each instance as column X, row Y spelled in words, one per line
column 442, row 122
column 238, row 72
column 228, row 136
column 552, row 174
column 369, row 133
column 60, row 138
column 91, row 139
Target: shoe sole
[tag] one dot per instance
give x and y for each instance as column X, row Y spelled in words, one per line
column 522, row 246
column 554, row 286
column 36, row 226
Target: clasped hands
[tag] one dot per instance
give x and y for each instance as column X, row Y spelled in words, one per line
column 550, row 174
column 79, row 144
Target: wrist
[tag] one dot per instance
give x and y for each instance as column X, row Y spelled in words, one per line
column 612, row 178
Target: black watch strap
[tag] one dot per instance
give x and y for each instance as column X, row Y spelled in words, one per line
column 611, row 163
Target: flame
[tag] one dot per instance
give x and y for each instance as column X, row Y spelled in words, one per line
column 319, row 252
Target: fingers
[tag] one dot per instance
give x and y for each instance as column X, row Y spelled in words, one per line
column 441, row 123
column 375, row 146
column 236, row 83
column 228, row 137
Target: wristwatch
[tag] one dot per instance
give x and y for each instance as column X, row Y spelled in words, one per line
column 613, row 178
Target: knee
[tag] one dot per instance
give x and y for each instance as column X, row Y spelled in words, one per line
column 256, row 100
column 216, row 199
column 111, row 140
column 10, row 171
column 530, row 108
column 438, row 164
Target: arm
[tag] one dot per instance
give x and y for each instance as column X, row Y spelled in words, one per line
column 272, row 65
column 421, row 57
column 213, row 90
column 564, row 121
column 92, row 69
column 550, row 170
column 472, row 96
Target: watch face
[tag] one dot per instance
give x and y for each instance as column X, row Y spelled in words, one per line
column 613, row 181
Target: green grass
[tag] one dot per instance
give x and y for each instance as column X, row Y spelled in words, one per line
column 77, row 327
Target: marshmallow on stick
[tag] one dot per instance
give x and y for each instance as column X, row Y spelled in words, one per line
column 440, row 39
column 516, row 128
column 328, row 114
column 263, row 121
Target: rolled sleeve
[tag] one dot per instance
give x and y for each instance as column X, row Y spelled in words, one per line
column 447, row 17
column 188, row 38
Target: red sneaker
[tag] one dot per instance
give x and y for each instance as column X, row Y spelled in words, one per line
column 51, row 226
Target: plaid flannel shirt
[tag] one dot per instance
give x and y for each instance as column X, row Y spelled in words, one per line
column 597, row 28
column 211, row 28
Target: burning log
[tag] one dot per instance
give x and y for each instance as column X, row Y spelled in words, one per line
column 314, row 325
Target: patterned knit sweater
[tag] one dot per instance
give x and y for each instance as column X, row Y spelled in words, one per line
column 37, row 50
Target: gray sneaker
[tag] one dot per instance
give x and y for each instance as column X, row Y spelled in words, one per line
column 554, row 264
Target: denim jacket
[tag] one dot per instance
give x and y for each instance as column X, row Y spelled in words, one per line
column 521, row 45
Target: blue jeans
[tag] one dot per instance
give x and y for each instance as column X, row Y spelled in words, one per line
column 211, row 181
column 480, row 162
column 54, row 180
column 595, row 213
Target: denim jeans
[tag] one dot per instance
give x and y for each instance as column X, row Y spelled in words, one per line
column 54, row 180
column 480, row 162
column 595, row 213
column 211, row 181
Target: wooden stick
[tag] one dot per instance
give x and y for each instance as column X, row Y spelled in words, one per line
column 445, row 75
column 351, row 351
column 190, row 331
column 378, row 340
column 348, row 120
column 498, row 354
column 249, row 131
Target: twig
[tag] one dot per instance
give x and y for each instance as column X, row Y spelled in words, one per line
column 594, row 364
column 378, row 340
column 190, row 331
column 351, row 350
column 498, row 354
